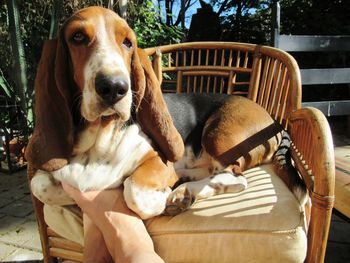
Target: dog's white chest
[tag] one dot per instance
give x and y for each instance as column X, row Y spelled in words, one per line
column 114, row 156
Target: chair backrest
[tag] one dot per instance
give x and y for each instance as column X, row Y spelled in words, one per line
column 266, row 75
column 312, row 78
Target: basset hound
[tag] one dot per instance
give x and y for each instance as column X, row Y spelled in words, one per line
column 102, row 122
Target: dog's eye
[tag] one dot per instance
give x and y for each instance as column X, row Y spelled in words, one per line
column 127, row 43
column 79, row 38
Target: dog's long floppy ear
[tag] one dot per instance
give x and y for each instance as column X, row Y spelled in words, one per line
column 52, row 141
column 151, row 112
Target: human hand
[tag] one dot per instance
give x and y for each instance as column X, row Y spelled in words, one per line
column 98, row 202
column 124, row 233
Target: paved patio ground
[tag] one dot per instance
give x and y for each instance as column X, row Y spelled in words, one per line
column 19, row 238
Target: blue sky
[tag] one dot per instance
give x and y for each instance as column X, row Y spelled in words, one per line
column 189, row 13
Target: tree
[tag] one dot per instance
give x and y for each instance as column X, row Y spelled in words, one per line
column 244, row 20
column 146, row 21
column 322, row 17
column 175, row 11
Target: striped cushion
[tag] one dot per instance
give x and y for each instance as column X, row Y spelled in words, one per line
column 264, row 223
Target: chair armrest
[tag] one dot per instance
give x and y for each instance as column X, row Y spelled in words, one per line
column 312, row 149
column 313, row 155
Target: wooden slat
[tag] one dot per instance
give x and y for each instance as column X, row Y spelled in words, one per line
column 275, row 85
column 184, row 58
column 231, row 80
column 59, row 242
column 194, row 87
column 284, row 101
column 302, row 168
column 66, row 254
column 241, row 83
column 222, row 58
column 307, row 43
column 215, row 56
column 208, row 84
column 207, row 58
column 325, row 76
column 246, row 58
column 199, row 57
column 206, row 73
column 213, row 68
column 270, row 78
column 230, row 59
column 52, row 233
column 238, row 59
column 177, row 59
column 245, row 93
column 222, row 85
column 169, row 81
column 169, row 60
column 277, row 109
column 215, row 84
column 192, row 57
column 157, row 65
column 201, row 84
column 188, row 84
column 179, row 82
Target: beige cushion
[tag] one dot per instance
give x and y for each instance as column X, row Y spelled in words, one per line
column 264, row 223
column 67, row 221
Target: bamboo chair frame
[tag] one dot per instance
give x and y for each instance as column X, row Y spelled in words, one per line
column 266, row 75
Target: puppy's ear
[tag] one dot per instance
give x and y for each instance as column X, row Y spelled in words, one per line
column 152, row 112
column 138, row 78
column 52, row 141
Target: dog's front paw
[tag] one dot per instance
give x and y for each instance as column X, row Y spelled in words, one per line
column 144, row 201
column 179, row 200
column 48, row 191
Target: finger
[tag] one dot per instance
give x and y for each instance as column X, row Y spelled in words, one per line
column 69, row 189
column 85, row 200
column 76, row 194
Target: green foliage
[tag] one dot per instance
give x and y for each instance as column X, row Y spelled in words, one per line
column 244, row 21
column 322, row 17
column 34, row 17
column 252, row 25
column 150, row 31
column 5, row 88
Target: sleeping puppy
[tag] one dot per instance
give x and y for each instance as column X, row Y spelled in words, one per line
column 225, row 135
column 102, row 122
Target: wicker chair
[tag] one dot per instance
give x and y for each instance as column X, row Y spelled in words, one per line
column 271, row 78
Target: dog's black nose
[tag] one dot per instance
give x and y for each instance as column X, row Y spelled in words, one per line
column 111, row 88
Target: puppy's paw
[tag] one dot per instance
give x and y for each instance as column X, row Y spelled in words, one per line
column 48, row 191
column 179, row 200
column 145, row 201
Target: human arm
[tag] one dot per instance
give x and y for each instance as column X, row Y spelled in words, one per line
column 125, row 235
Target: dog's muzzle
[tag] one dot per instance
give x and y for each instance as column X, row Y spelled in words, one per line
column 111, row 88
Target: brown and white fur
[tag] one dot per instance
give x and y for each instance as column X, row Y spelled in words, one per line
column 102, row 122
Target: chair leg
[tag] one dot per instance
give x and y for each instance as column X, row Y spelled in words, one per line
column 42, row 227
column 321, row 214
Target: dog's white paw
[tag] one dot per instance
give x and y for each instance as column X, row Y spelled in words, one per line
column 48, row 190
column 179, row 200
column 146, row 202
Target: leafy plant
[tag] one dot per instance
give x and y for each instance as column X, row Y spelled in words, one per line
column 5, row 88
column 150, row 30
